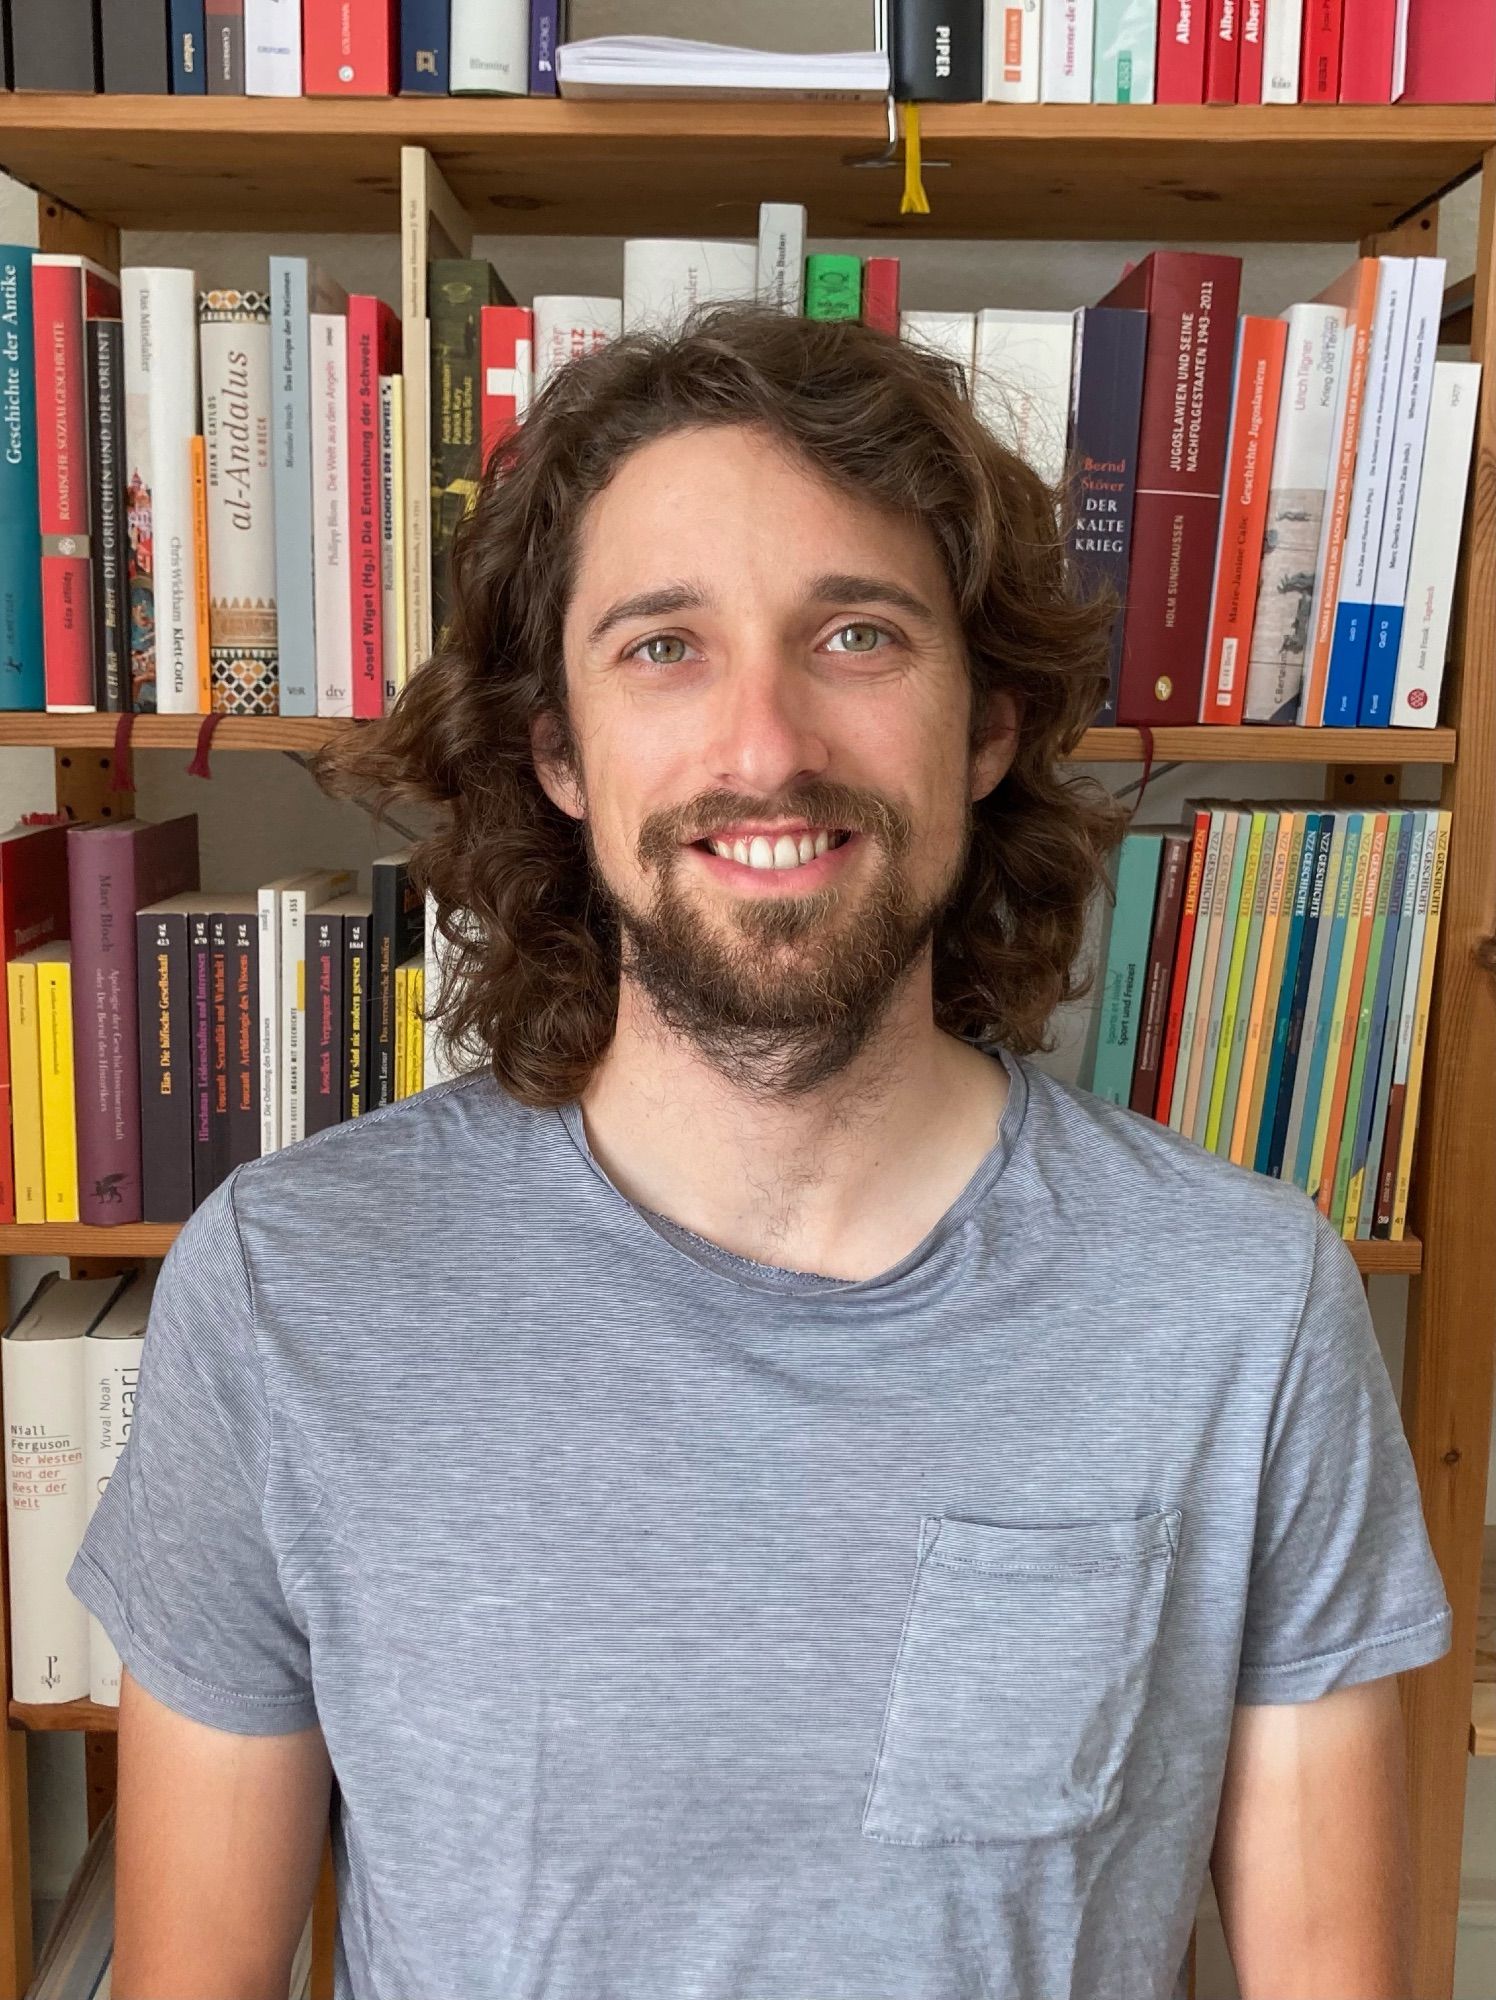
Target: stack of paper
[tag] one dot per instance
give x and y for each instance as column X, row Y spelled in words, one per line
column 666, row 66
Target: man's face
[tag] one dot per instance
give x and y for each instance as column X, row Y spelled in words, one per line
column 769, row 694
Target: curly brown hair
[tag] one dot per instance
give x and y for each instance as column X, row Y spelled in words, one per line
column 531, row 955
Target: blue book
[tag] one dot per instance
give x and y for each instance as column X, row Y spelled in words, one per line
column 425, row 47
column 1106, row 410
column 22, row 679
column 1375, row 1010
column 1127, row 966
column 545, row 32
column 189, row 60
column 1358, row 826
column 1307, row 897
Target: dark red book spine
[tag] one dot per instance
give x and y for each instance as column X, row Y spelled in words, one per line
column 1173, row 869
column 1249, row 60
column 62, row 483
column 1191, row 301
column 1221, row 51
column 1451, row 52
column 33, row 910
column 1181, row 52
column 880, row 293
column 373, row 350
column 1320, row 76
column 1368, row 31
column 349, row 48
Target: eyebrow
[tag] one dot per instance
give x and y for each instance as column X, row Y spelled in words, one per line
column 832, row 587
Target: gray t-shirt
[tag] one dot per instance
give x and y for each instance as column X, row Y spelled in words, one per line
column 683, row 1630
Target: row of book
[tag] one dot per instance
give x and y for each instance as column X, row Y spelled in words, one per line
column 227, row 499
column 1266, row 991
column 156, row 1035
column 961, row 51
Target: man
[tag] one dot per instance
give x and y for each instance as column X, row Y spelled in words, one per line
column 757, row 1491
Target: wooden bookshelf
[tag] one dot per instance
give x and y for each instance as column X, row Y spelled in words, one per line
column 1139, row 174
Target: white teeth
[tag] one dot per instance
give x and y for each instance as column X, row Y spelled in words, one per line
column 722, row 847
column 760, row 853
column 786, row 852
column 807, row 848
column 740, row 851
column 822, row 842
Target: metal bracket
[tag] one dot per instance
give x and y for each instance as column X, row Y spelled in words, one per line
column 890, row 156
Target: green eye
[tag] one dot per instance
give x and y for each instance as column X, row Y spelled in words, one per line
column 859, row 638
column 648, row 649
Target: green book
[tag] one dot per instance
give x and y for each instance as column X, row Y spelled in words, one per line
column 833, row 286
column 1241, row 981
column 1373, row 997
column 458, row 289
column 1127, row 965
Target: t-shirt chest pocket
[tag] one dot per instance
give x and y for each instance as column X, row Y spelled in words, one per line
column 1019, row 1679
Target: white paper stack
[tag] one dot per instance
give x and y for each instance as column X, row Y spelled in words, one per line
column 667, row 66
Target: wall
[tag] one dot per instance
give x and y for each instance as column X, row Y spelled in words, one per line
column 261, row 815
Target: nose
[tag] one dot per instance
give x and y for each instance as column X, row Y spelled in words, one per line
column 764, row 735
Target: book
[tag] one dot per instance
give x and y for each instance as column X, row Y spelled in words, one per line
column 1399, row 1169
column 1349, row 851
column 565, row 326
column 1369, row 31
column 1329, row 1107
column 1345, row 1156
column 104, row 364
column 1011, row 46
column 490, row 47
column 1182, row 37
column 935, row 51
column 1251, row 58
column 272, row 50
column 25, row 1171
column 833, row 285
column 1067, row 43
column 242, row 971
column 326, row 1002
column 1257, row 386
column 1222, row 51
column 1303, row 971
column 297, row 896
column 358, row 927
column 1021, row 378
column 1126, row 966
column 234, row 344
column 780, row 273
column 667, row 66
column 1241, row 968
column 53, row 45
column 1361, row 1195
column 207, row 1157
column 113, row 1347
column 396, row 930
column 1106, row 402
column 298, row 288
column 189, row 65
column 1236, row 846
column 1320, row 74
column 459, row 288
column 545, row 38
column 1123, row 64
column 22, row 681
column 134, row 49
column 1206, row 922
column 391, row 534
column 506, row 345
column 33, row 910
column 332, row 587
column 425, row 48
column 164, row 1016
column 224, row 43
column 1174, row 862
column 1451, row 53
column 1433, row 558
column 665, row 278
column 373, row 350
column 161, row 418
column 1282, row 51
column 1168, row 1063
column 951, row 334
column 54, row 1010
column 349, row 48
column 880, row 294
column 1255, row 1015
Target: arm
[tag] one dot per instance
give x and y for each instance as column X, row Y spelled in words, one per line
column 1311, row 1861
column 218, row 1843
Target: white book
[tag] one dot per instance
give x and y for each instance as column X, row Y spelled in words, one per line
column 112, row 1348
column 234, row 343
column 46, row 1483
column 272, row 48
column 1434, row 557
column 490, row 48
column 331, row 591
column 664, row 277
column 566, row 325
column 1123, row 68
column 1010, row 42
column 781, row 255
column 1297, row 486
column 1067, row 38
column 298, row 894
column 159, row 310
column 437, row 1056
column 953, row 334
column 1021, row 390
column 391, row 533
column 1282, row 48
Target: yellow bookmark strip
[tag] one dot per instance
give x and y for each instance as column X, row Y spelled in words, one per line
column 915, row 200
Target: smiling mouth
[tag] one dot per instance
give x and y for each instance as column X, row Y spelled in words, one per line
column 782, row 851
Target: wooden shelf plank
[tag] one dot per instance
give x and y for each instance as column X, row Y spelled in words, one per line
column 1483, row 1703
column 1258, row 744
column 1132, row 172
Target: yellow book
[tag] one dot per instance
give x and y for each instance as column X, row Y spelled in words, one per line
column 1250, row 877
column 1262, row 1012
column 417, row 1027
column 54, row 1009
column 26, row 1089
column 1420, row 1033
column 402, row 1029
column 1358, row 922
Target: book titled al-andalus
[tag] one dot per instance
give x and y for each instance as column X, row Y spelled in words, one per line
column 234, row 333
column 159, row 309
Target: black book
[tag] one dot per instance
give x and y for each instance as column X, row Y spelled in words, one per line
column 106, row 437
column 399, row 931
column 200, row 959
column 358, row 944
column 164, row 995
column 324, row 1017
column 1111, row 346
column 54, row 45
column 224, row 38
column 134, row 47
column 935, row 49
column 244, row 1057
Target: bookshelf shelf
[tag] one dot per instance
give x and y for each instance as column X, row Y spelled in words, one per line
column 1165, row 173
column 1257, row 744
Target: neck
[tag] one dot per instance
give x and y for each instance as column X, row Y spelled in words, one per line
column 843, row 1180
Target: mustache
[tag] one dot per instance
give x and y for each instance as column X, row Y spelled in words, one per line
column 822, row 801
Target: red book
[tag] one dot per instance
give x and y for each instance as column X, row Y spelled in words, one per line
column 1179, row 983
column 65, row 292
column 1221, row 51
column 1368, row 32
column 1180, row 75
column 373, row 350
column 1190, row 299
column 1249, row 54
column 880, row 293
column 1451, row 52
column 33, row 910
column 1319, row 79
column 349, row 48
column 1261, row 347
column 505, row 349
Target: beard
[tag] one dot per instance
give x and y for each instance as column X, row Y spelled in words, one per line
column 779, row 995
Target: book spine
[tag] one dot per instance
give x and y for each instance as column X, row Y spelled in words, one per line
column 272, row 48
column 1126, row 969
column 1451, row 53
column 1238, row 564
column 63, row 486
column 1182, row 38
column 1195, row 969
column 244, row 1074
column 356, row 943
column 1433, row 560
column 1303, row 920
column 545, row 38
column 1067, row 42
column 225, row 44
column 200, row 958
column 1324, row 979
column 1179, row 976
column 366, row 347
column 189, row 68
column 105, row 370
column 1405, row 999
column 30, row 1197
column 324, row 1011
column 781, row 255
column 164, row 1012
column 198, row 462
column 1369, row 30
column 331, row 595
column 1365, row 1206
column 565, row 326
column 936, row 51
column 833, row 285
column 1282, row 51
column 268, row 1014
column 391, row 541
column 1173, row 870
column 1319, row 81
column 1251, row 55
column 1408, row 1121
column 1222, row 51
column 880, row 293
column 1349, row 1162
column 134, row 50
column 1106, row 399
column 291, row 509
column 1280, row 870
column 490, row 48
column 101, row 905
column 425, row 48
column 22, row 683
column 44, row 1387
column 53, row 45
column 59, row 1128
column 349, row 48
column 242, row 636
column 1123, row 69
column 1011, row 45
column 221, row 1031
column 1241, row 967
column 505, row 336
column 160, row 322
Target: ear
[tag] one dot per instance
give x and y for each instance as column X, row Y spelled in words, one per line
column 554, row 765
column 997, row 745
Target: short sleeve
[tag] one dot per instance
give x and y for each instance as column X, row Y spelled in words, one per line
column 175, row 1562
column 1344, row 1585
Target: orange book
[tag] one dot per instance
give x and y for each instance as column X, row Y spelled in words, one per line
column 1262, row 345
column 1365, row 915
column 200, row 520
column 1272, row 950
column 1356, row 290
column 1179, row 975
